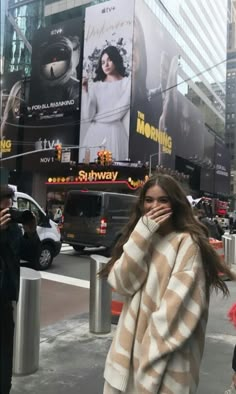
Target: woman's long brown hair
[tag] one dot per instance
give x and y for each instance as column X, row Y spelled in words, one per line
column 183, row 221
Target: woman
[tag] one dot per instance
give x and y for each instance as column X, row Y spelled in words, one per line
column 165, row 267
column 105, row 104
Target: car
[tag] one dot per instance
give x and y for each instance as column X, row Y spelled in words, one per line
column 48, row 231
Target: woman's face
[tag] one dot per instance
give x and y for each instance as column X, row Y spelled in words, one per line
column 107, row 64
column 155, row 196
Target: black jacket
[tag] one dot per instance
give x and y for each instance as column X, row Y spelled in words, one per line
column 212, row 228
column 234, row 360
column 15, row 246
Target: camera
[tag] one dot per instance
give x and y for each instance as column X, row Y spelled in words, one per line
column 22, row 217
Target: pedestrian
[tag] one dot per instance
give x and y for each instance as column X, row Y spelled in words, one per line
column 219, row 228
column 165, row 266
column 214, row 230
column 13, row 246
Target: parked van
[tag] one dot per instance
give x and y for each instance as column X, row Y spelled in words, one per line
column 95, row 218
column 47, row 230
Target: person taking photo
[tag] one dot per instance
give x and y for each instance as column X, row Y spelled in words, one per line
column 14, row 245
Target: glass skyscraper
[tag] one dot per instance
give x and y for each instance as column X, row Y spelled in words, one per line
column 28, row 16
column 200, row 30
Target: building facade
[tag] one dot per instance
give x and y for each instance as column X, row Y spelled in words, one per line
column 189, row 36
column 230, row 134
column 200, row 30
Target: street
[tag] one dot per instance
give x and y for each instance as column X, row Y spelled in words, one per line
column 71, row 263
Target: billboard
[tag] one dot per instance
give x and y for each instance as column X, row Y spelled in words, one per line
column 13, row 107
column 222, row 168
column 207, row 169
column 163, row 121
column 106, row 86
column 56, row 70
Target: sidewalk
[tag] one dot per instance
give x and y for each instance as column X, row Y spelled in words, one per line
column 72, row 359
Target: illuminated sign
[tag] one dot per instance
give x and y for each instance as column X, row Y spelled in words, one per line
column 5, row 146
column 98, row 177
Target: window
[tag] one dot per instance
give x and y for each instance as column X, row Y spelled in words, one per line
column 23, row 204
column 120, row 205
column 83, row 205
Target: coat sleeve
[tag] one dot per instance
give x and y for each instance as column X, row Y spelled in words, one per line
column 130, row 270
column 181, row 309
column 30, row 247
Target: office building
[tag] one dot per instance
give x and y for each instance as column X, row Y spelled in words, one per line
column 230, row 134
column 193, row 32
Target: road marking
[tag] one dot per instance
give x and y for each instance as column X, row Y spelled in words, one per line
column 68, row 280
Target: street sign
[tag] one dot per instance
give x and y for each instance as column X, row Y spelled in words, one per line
column 65, row 157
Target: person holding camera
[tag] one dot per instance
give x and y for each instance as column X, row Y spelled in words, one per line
column 14, row 246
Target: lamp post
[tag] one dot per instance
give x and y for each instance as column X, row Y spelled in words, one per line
column 150, row 163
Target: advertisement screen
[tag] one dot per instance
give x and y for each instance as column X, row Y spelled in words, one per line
column 207, row 170
column 12, row 114
column 56, row 70
column 163, row 121
column 222, row 168
column 106, row 84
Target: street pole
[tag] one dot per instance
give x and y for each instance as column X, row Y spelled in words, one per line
column 150, row 163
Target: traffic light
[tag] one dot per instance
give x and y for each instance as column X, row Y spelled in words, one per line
column 57, row 153
column 102, row 157
column 99, row 157
column 104, row 153
column 109, row 157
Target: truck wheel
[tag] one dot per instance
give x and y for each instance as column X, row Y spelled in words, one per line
column 45, row 258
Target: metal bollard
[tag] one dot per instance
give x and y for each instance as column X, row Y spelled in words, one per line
column 27, row 324
column 100, row 298
column 227, row 242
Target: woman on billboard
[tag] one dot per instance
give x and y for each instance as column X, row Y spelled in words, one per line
column 105, row 104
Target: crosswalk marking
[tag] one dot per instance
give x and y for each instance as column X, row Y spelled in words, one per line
column 68, row 280
column 68, row 248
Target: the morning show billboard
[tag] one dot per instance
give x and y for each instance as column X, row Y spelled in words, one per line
column 163, row 121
